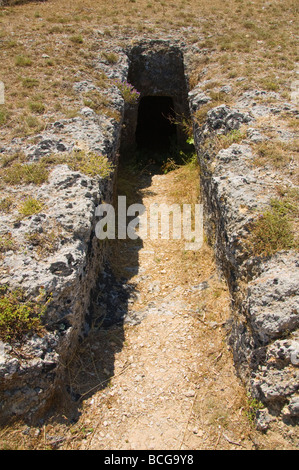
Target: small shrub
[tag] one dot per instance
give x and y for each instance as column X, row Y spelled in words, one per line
column 189, row 159
column 253, row 406
column 19, row 317
column 129, row 93
column 30, row 207
column 185, row 124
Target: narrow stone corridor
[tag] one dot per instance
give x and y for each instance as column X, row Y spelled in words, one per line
column 160, row 375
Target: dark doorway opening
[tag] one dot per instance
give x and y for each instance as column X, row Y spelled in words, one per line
column 156, row 129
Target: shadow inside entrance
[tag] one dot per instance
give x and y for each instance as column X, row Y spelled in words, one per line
column 156, row 130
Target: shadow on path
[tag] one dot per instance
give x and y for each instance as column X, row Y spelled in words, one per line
column 92, row 366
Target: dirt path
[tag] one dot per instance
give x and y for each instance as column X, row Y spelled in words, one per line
column 170, row 382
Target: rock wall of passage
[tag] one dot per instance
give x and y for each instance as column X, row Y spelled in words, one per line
column 264, row 328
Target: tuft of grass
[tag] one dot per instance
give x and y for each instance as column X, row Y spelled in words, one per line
column 290, row 195
column 275, row 153
column 56, row 30
column 6, row 204
column 7, row 243
column 25, row 173
column 233, row 137
column 30, row 82
column 111, row 57
column 30, row 207
column 200, row 115
column 50, row 62
column 169, row 165
column 96, row 100
column 77, row 39
column 33, row 122
column 23, row 61
column 272, row 231
column 44, row 243
column 37, row 107
column 16, row 171
column 90, row 163
column 9, row 159
column 18, row 316
column 3, row 116
column 270, row 84
column 219, row 97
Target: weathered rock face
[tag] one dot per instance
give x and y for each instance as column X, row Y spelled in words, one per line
column 157, row 68
column 30, row 378
column 31, row 373
column 265, row 299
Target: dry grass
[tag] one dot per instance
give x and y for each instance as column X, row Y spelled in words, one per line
column 276, row 154
column 47, row 46
column 277, row 228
